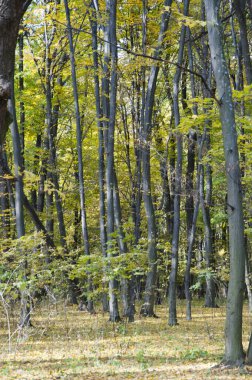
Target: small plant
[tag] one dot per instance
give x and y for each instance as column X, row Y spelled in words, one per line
column 121, row 329
column 141, row 359
column 194, row 353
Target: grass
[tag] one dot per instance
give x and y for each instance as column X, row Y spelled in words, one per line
column 67, row 344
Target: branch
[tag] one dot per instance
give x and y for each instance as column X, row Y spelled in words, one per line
column 39, row 225
column 153, row 58
column 26, row 5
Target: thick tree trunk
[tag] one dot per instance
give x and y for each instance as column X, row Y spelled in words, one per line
column 233, row 333
column 11, row 13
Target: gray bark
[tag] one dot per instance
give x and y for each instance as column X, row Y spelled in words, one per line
column 79, row 149
column 249, row 352
column 233, row 332
column 191, row 206
column 11, row 13
column 25, row 318
column 178, row 178
column 21, row 88
column 210, row 286
column 99, row 116
column 112, row 54
column 127, row 294
column 149, row 295
column 4, row 200
column 240, row 10
column 192, row 231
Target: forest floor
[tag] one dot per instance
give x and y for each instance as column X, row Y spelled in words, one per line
column 68, row 344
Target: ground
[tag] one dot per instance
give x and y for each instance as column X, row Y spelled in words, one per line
column 65, row 343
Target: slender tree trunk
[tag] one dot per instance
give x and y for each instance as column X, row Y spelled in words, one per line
column 233, row 333
column 21, row 89
column 247, row 278
column 178, row 179
column 191, row 207
column 149, row 295
column 249, row 352
column 190, row 243
column 4, row 200
column 126, row 283
column 111, row 53
column 192, row 232
column 210, row 286
column 240, row 10
column 79, row 150
column 238, row 78
column 25, row 319
column 99, row 116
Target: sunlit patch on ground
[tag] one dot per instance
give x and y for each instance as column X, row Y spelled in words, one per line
column 67, row 344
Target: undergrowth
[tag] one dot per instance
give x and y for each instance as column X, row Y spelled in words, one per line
column 65, row 343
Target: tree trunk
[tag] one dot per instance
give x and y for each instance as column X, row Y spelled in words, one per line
column 99, row 116
column 249, row 352
column 178, row 178
column 210, row 286
column 233, row 333
column 79, row 152
column 127, row 300
column 21, row 89
column 25, row 317
column 149, row 296
column 192, row 231
column 4, row 200
column 240, row 10
column 11, row 13
column 110, row 91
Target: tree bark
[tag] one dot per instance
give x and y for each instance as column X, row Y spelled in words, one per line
column 178, row 178
column 25, row 311
column 109, row 110
column 79, row 151
column 99, row 116
column 149, row 295
column 233, row 333
column 11, row 13
column 240, row 10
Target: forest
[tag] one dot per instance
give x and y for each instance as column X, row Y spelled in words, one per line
column 125, row 188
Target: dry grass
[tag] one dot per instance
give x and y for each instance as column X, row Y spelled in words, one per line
column 67, row 344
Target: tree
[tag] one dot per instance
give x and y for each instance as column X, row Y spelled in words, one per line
column 233, row 333
column 178, row 180
column 11, row 15
column 84, row 226
column 149, row 297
